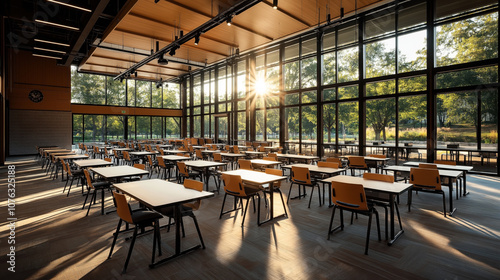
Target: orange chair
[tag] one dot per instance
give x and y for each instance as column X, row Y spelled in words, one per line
column 73, row 174
column 445, row 180
column 140, row 218
column 302, row 177
column 94, row 187
column 357, row 162
column 337, row 160
column 245, row 164
column 233, row 185
column 184, row 173
column 425, row 180
column 164, row 168
column 328, row 164
column 277, row 185
column 352, row 197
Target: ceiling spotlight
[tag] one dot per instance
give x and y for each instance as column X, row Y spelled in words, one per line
column 172, row 51
column 156, row 1
column 162, row 60
column 228, row 21
column 275, row 4
column 197, row 39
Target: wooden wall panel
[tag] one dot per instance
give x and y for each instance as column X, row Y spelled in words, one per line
column 29, row 128
column 108, row 110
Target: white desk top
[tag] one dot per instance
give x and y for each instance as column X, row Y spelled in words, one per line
column 119, row 171
column 175, row 158
column 443, row 172
column 203, row 163
column 442, row 166
column 255, row 177
column 264, row 162
column 315, row 168
column 92, row 163
column 297, row 156
column 394, row 188
column 158, row 193
column 175, row 151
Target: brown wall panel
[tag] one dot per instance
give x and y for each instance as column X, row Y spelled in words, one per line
column 54, row 98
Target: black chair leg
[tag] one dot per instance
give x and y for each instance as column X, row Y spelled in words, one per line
column 114, row 238
column 130, row 249
column 198, row 230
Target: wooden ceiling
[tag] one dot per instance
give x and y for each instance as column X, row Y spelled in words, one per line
column 142, row 22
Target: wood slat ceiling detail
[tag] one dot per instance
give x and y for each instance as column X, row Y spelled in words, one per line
column 147, row 22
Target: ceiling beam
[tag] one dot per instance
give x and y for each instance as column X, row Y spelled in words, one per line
column 99, row 9
column 175, row 27
column 124, row 60
column 168, row 41
column 298, row 19
column 119, row 67
column 210, row 16
column 123, row 12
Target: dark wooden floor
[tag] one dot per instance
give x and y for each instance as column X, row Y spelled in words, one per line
column 54, row 239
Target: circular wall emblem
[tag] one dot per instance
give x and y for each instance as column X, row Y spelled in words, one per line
column 35, row 96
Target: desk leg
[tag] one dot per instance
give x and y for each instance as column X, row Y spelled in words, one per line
column 465, row 183
column 394, row 236
column 450, row 190
column 271, row 206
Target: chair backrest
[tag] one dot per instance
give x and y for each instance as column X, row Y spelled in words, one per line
column 269, row 158
column 233, row 185
column 425, row 178
column 262, row 148
column 209, row 141
column 140, row 166
column 277, row 172
column 122, row 207
column 217, row 157
column 150, row 160
column 213, row 148
column 199, row 154
column 447, row 162
column 194, row 185
column 427, row 165
column 87, row 177
column 273, row 155
column 377, row 156
column 236, row 150
column 107, row 159
column 245, row 164
column 349, row 196
column 301, row 175
column 182, row 168
column 378, row 177
column 248, row 143
column 67, row 168
column 161, row 162
column 63, row 165
column 227, row 148
column 328, row 164
column 357, row 161
column 201, row 141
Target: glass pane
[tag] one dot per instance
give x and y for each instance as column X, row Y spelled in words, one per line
column 171, row 96
column 222, row 85
column 380, row 119
column 292, row 99
column 259, row 102
column 206, row 87
column 197, row 126
column 412, row 16
column 173, row 127
column 116, row 92
column 445, row 8
column 143, row 94
column 222, row 107
column 196, row 110
column 273, row 57
column 413, row 121
column 347, row 35
column 197, row 91
column 329, row 94
column 309, row 47
column 212, row 86
column 348, row 65
column 309, row 124
column 143, row 127
column 131, row 128
column 380, row 25
column 380, row 58
column 115, row 127
column 329, row 68
column 329, row 41
column 292, row 124
column 77, row 129
column 157, row 127
column 291, row 76
column 412, row 52
column 156, row 97
column 348, row 92
column 412, row 84
column 291, row 52
column 206, row 120
column 260, row 61
column 472, row 39
column 272, row 79
column 381, row 88
column 241, row 67
column 309, row 72
column 469, row 77
column 329, row 123
column 259, row 125
column 309, row 97
column 94, row 128
column 273, row 125
column 348, row 129
column 241, row 80
column 188, row 93
column 223, row 131
column 242, row 105
column 206, row 109
column 457, row 119
column 489, row 119
column 131, row 93
column 272, row 101
column 242, row 125
column 87, row 88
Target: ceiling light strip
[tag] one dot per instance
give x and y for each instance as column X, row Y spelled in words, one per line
column 69, row 5
column 57, row 24
column 50, row 42
column 48, row 50
column 47, row 56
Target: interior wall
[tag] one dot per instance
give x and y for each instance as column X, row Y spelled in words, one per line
column 47, row 122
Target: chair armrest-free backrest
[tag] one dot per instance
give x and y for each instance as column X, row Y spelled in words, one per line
column 350, row 196
column 425, row 178
column 378, row 177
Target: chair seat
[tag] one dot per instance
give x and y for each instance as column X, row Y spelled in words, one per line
column 101, row 185
column 144, row 216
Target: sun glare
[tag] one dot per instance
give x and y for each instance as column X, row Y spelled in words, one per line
column 260, row 87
